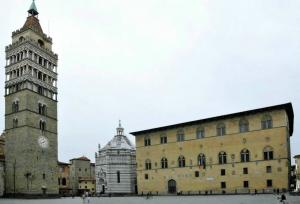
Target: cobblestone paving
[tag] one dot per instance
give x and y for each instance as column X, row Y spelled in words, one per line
column 237, row 199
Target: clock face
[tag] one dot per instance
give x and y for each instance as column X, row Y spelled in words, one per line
column 43, row 142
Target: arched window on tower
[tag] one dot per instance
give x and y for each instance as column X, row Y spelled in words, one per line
column 15, row 122
column 42, row 109
column 245, row 155
column 244, row 125
column 222, row 158
column 15, row 106
column 201, row 160
column 164, row 163
column 21, row 39
column 181, row 161
column 41, row 43
column 42, row 125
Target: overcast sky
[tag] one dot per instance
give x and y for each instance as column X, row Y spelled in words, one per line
column 158, row 62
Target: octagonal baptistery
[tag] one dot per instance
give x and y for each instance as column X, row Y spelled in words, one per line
column 116, row 166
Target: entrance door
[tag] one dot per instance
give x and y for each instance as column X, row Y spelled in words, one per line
column 172, row 186
column 103, row 189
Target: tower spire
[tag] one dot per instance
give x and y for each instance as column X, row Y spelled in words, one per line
column 120, row 130
column 33, row 10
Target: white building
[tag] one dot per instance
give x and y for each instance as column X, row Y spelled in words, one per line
column 115, row 166
column 297, row 171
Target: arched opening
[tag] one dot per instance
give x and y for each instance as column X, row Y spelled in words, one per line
column 21, row 39
column 41, row 43
column 64, row 182
column 171, row 186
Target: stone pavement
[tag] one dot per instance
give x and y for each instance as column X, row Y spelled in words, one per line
column 228, row 199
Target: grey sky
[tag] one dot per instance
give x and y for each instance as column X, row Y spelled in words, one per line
column 158, row 62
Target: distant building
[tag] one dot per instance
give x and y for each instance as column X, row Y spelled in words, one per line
column 64, row 179
column 116, row 166
column 235, row 153
column 2, row 165
column 81, row 171
column 297, row 171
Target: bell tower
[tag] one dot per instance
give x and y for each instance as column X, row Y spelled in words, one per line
column 31, row 111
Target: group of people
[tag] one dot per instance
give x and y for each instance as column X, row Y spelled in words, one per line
column 86, row 197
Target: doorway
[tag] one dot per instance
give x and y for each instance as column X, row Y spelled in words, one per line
column 171, row 186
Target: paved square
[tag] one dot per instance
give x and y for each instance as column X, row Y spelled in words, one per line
column 234, row 199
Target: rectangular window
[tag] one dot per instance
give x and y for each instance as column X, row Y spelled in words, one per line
column 147, row 141
column 163, row 140
column 146, row 176
column 269, row 183
column 180, row 137
column 223, row 172
column 44, row 176
column 246, row 184
column 268, row 169
column 223, row 184
column 200, row 134
column 196, row 173
column 118, row 177
column 221, row 131
column 245, row 170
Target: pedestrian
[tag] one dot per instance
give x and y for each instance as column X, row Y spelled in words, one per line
column 83, row 198
column 283, row 198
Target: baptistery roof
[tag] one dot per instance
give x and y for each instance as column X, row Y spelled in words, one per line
column 119, row 141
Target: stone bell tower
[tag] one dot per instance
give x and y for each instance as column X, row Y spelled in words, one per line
column 31, row 111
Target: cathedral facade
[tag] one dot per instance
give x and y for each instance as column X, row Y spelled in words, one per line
column 115, row 167
column 31, row 112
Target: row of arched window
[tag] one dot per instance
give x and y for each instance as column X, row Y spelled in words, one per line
column 29, row 54
column 266, row 123
column 222, row 157
column 42, row 108
column 42, row 124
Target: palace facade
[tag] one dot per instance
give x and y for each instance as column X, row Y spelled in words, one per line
column 237, row 153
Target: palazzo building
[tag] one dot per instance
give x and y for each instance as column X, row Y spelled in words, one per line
column 82, row 176
column 237, row 153
column 31, row 112
column 116, row 166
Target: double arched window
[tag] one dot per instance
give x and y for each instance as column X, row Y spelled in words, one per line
column 42, row 125
column 201, row 160
column 15, row 106
column 42, row 109
column 222, row 158
column 245, row 155
column 181, row 161
column 244, row 125
column 15, row 122
column 266, row 122
column 221, row 129
column 200, row 133
column 164, row 163
column 268, row 153
column 180, row 135
column 147, row 141
column 148, row 164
